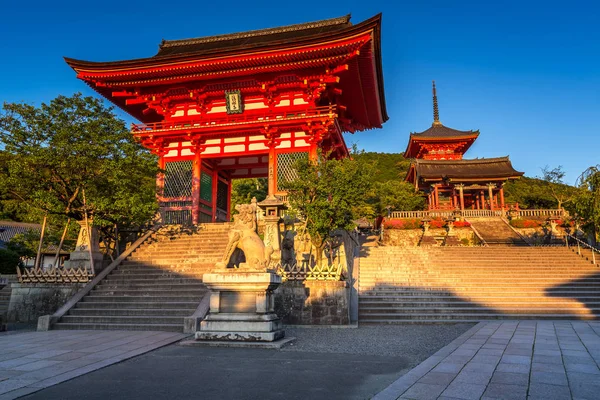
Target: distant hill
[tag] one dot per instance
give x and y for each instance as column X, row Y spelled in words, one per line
column 390, row 166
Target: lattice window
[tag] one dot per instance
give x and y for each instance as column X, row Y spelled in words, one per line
column 222, row 193
column 206, row 187
column 178, row 179
column 179, row 217
column 285, row 166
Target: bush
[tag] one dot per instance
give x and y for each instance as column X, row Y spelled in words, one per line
column 408, row 223
column 9, row 260
column 525, row 223
column 462, row 224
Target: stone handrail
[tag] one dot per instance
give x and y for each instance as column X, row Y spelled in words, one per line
column 45, row 322
column 541, row 213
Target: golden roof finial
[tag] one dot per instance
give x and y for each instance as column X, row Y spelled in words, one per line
column 436, row 111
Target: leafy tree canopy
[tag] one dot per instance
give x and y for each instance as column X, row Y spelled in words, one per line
column 243, row 190
column 330, row 194
column 586, row 203
column 54, row 153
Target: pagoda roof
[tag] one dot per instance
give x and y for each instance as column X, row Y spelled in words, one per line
column 249, row 39
column 479, row 169
column 319, row 44
column 439, row 131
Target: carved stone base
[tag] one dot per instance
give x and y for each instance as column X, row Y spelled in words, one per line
column 241, row 307
column 81, row 259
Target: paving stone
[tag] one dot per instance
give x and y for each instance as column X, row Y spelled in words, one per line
column 463, row 390
column 542, row 391
column 516, row 359
column 479, row 367
column 505, row 391
column 486, row 359
column 515, row 368
column 490, row 352
column 510, row 378
column 547, row 359
column 584, row 368
column 47, row 354
column 36, row 365
column 550, row 378
column 579, row 360
column 518, row 352
column 423, row 391
column 553, row 353
column 545, row 367
column 448, row 367
column 438, row 378
column 13, row 384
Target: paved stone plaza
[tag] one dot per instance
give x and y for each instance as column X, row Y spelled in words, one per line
column 491, row 360
column 30, row 361
column 509, row 360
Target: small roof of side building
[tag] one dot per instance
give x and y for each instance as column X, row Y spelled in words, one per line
column 456, row 171
column 8, row 229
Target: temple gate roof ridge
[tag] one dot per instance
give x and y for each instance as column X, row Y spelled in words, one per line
column 310, row 28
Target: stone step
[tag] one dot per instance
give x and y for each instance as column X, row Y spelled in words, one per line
column 131, row 305
column 471, row 317
column 119, row 327
column 138, row 312
column 121, row 298
column 478, row 309
column 146, row 292
column 150, row 286
column 113, row 319
column 413, row 301
column 407, row 291
column 143, row 280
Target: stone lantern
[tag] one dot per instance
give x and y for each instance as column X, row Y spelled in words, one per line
column 426, row 223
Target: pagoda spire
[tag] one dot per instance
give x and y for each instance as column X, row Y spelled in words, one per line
column 436, row 111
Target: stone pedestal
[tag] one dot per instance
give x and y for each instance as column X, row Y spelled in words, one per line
column 80, row 258
column 241, row 306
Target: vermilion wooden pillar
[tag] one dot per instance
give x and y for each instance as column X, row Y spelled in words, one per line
column 491, row 196
column 502, row 197
column 160, row 177
column 272, row 171
column 462, row 197
column 215, row 183
column 196, row 176
column 437, row 197
column 229, row 184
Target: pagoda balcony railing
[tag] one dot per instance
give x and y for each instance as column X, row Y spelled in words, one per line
column 477, row 213
column 208, row 122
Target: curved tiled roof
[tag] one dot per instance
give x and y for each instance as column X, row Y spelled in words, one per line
column 438, row 130
column 479, row 168
column 251, row 38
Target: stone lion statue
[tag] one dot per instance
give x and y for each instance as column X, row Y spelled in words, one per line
column 243, row 236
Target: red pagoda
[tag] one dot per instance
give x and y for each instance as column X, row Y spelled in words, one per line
column 451, row 182
column 245, row 105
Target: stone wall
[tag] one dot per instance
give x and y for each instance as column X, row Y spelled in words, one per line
column 313, row 303
column 411, row 237
column 28, row 301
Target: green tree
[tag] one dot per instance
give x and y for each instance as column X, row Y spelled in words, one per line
column 560, row 191
column 398, row 195
column 243, row 190
column 330, row 194
column 9, row 260
column 587, row 201
column 55, row 153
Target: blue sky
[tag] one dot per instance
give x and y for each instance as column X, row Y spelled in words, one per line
column 525, row 73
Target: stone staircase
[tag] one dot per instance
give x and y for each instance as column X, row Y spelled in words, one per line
column 495, row 232
column 452, row 284
column 157, row 286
